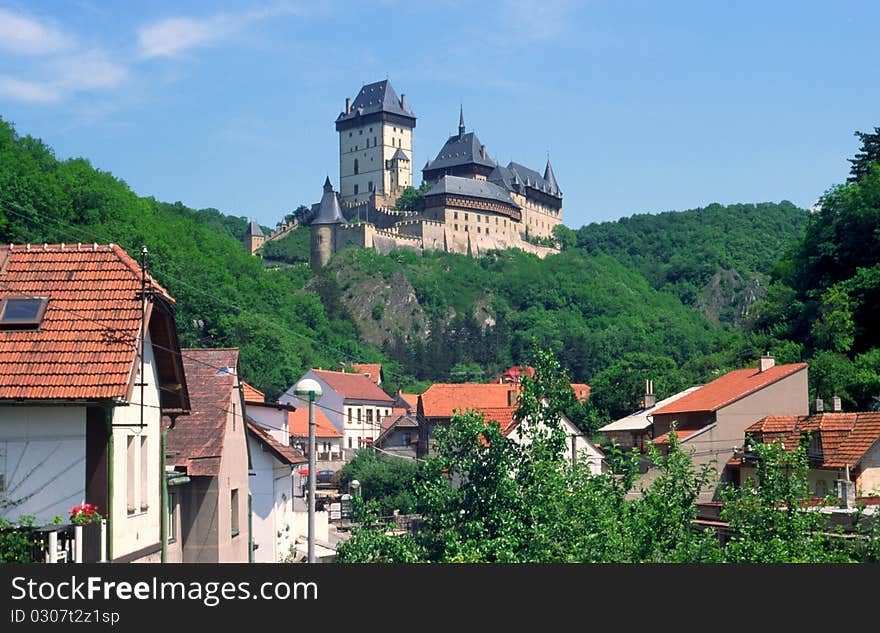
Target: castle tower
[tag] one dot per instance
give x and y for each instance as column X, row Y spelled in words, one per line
column 253, row 237
column 329, row 216
column 375, row 144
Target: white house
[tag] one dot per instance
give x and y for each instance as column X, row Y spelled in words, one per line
column 353, row 403
column 80, row 405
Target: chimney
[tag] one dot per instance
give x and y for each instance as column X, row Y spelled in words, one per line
column 767, row 362
column 836, row 406
column 347, row 105
column 846, row 491
column 483, row 152
column 511, row 397
column 403, row 102
column 650, row 398
column 819, row 407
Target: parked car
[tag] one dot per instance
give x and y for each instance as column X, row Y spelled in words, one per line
column 324, row 476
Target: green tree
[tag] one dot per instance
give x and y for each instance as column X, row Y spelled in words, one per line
column 868, row 153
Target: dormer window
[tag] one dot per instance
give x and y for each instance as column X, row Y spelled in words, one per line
column 22, row 312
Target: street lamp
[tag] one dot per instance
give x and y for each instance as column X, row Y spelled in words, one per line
column 309, row 391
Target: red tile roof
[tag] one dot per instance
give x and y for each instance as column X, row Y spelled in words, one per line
column 411, row 399
column 85, row 346
column 353, row 386
column 285, row 454
column 729, row 388
column 515, row 374
column 502, row 415
column 252, row 394
column 581, row 391
column 298, row 424
column 442, row 400
column 373, row 369
column 844, row 437
column 196, row 442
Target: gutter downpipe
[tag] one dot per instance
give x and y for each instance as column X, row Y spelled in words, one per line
column 108, row 412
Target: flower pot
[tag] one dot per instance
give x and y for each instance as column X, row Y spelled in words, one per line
column 91, row 546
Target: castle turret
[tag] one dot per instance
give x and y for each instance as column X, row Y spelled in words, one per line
column 323, row 229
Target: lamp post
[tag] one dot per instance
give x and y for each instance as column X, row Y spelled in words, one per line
column 310, row 391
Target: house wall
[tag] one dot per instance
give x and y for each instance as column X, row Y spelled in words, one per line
column 586, row 452
column 133, row 531
column 273, row 419
column 233, row 476
column 868, row 481
column 356, row 426
column 272, row 493
column 330, row 404
column 201, row 520
column 42, row 460
column 821, row 481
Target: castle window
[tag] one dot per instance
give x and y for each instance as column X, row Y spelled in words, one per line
column 361, row 132
column 465, row 228
column 371, row 129
column 355, row 190
column 349, row 135
column 356, row 168
column 368, row 142
column 374, row 142
column 465, row 216
column 478, row 229
column 371, row 185
column 455, row 215
column 478, row 219
column 496, row 219
column 456, row 227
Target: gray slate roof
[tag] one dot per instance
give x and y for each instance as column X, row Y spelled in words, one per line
column 535, row 180
column 329, row 212
column 400, row 155
column 460, row 149
column 376, row 97
column 472, row 188
column 254, row 229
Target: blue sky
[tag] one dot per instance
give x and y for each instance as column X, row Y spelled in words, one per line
column 643, row 106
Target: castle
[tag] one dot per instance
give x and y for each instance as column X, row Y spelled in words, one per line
column 473, row 204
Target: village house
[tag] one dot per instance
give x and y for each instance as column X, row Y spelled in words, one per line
column 711, row 420
column 328, row 441
column 207, row 454
column 497, row 402
column 273, row 465
column 89, row 364
column 353, row 404
column 840, row 447
column 400, row 434
column 373, row 371
column 636, row 430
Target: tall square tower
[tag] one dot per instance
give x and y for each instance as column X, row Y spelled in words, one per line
column 375, row 144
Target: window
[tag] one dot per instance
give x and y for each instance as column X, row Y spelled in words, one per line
column 368, row 143
column 371, row 129
column 370, row 185
column 172, row 518
column 478, row 219
column 465, row 216
column 361, row 132
column 356, row 166
column 465, row 228
column 406, row 438
column 369, row 415
column 496, row 219
column 22, row 311
column 455, row 215
column 143, row 474
column 456, row 227
column 478, row 229
column 349, row 415
column 349, row 135
column 130, row 470
column 349, row 442
column 233, row 500
column 375, row 141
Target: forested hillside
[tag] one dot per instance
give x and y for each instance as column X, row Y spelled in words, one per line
column 716, row 258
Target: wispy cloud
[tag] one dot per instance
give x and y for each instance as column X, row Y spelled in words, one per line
column 56, row 64
column 24, row 36
column 29, row 91
column 172, row 36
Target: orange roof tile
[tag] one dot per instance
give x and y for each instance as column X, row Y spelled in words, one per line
column 844, row 438
column 298, row 424
column 373, row 371
column 353, row 386
column 729, row 388
column 85, row 346
column 581, row 391
column 252, row 394
column 502, row 415
column 411, row 399
column 441, row 400
column 286, row 454
column 196, row 441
